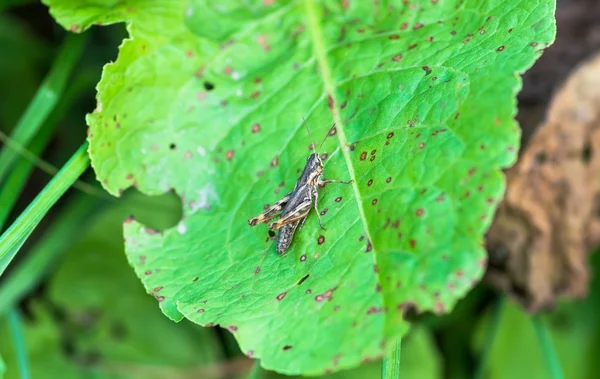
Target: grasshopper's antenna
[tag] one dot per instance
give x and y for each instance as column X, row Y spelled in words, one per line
column 327, row 135
column 310, row 136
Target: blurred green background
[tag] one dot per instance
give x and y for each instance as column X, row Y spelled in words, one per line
column 71, row 307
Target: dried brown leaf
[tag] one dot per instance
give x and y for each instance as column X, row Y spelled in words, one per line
column 549, row 219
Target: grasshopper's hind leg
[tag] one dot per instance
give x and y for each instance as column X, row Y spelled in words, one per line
column 325, row 181
column 297, row 214
column 271, row 212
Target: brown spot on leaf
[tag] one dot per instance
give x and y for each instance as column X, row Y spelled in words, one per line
column 370, row 182
column 256, row 128
column 325, row 296
column 321, row 239
column 302, row 257
column 281, row 296
column 330, row 102
column 286, row 347
column 363, row 155
column 229, row 155
column 338, row 199
column 501, row 48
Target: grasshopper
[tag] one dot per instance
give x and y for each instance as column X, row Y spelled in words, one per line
column 294, row 207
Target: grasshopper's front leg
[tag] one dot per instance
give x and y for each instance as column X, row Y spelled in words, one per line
column 271, row 212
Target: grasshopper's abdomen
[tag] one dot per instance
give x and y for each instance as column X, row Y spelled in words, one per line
column 286, row 234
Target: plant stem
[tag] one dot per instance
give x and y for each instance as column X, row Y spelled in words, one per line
column 492, row 330
column 16, row 332
column 45, row 98
column 256, row 370
column 390, row 368
column 547, row 347
column 16, row 235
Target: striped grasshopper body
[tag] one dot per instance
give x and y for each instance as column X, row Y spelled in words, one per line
column 294, row 207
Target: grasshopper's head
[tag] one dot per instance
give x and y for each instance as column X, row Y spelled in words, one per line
column 314, row 165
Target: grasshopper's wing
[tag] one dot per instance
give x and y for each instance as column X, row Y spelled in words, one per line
column 271, row 212
column 294, row 214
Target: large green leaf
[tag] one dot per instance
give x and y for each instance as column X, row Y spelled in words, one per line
column 207, row 98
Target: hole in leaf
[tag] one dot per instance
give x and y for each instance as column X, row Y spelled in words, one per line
column 209, row 86
column 303, row 279
column 156, row 212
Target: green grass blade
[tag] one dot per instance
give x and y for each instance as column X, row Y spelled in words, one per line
column 489, row 338
column 16, row 332
column 547, row 348
column 14, row 237
column 390, row 368
column 13, row 185
column 28, row 273
column 256, row 371
column 2, row 367
column 45, row 99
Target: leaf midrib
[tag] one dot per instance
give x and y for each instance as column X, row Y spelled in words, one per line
column 318, row 42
